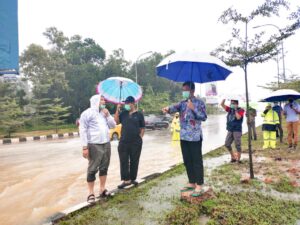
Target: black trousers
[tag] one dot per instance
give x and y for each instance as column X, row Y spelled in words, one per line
column 129, row 154
column 192, row 159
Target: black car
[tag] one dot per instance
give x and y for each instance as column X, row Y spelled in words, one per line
column 153, row 123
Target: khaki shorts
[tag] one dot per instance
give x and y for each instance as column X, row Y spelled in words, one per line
column 99, row 159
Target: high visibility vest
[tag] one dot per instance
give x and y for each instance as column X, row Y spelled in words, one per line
column 271, row 117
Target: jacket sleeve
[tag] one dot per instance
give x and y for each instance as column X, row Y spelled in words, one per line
column 83, row 129
column 200, row 112
column 175, row 108
column 111, row 122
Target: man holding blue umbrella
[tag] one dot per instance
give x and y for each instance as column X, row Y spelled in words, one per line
column 192, row 112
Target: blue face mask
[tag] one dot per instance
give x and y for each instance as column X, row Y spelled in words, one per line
column 232, row 106
column 127, row 107
column 185, row 94
column 102, row 106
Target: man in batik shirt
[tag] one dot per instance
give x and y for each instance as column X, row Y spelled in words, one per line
column 192, row 111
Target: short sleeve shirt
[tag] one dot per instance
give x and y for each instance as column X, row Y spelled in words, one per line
column 131, row 125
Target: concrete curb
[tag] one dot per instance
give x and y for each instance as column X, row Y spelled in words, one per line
column 37, row 138
column 61, row 215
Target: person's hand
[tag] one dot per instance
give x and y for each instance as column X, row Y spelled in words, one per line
column 85, row 152
column 165, row 110
column 190, row 105
column 105, row 112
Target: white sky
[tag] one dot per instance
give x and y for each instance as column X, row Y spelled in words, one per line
column 138, row 26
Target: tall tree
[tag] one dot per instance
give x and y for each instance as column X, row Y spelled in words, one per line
column 240, row 51
column 57, row 113
column 11, row 116
column 85, row 59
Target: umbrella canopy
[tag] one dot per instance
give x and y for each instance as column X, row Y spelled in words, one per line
column 192, row 66
column 117, row 89
column 282, row 95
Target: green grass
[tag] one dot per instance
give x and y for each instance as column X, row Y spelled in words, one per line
column 126, row 206
column 284, row 185
column 243, row 208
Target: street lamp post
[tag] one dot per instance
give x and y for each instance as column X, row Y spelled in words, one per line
column 136, row 73
column 136, row 61
column 282, row 49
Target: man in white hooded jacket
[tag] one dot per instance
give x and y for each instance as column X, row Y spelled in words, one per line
column 95, row 123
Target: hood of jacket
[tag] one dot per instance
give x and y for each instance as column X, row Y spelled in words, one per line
column 95, row 102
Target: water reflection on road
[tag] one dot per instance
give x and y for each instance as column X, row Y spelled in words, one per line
column 41, row 178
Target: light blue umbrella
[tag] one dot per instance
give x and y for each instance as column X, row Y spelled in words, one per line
column 117, row 89
column 192, row 66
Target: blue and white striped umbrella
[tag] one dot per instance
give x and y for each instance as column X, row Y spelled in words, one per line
column 192, row 66
column 117, row 89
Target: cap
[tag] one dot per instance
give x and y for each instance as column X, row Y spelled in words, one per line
column 129, row 99
column 269, row 104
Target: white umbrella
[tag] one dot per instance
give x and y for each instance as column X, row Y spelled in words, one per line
column 281, row 95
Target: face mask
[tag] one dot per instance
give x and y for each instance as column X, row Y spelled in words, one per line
column 232, row 106
column 185, row 94
column 102, row 106
column 127, row 107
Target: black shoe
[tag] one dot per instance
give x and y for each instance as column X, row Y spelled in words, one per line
column 233, row 160
column 123, row 185
column 134, row 182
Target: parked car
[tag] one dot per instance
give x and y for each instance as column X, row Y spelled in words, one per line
column 153, row 122
column 115, row 133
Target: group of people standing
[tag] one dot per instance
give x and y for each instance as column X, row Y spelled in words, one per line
column 272, row 125
column 96, row 121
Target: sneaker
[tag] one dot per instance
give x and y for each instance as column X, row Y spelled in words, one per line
column 290, row 147
column 134, row 182
column 123, row 185
column 295, row 147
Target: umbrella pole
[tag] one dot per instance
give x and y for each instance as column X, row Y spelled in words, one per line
column 121, row 85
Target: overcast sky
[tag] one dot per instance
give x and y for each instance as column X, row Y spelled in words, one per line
column 138, row 26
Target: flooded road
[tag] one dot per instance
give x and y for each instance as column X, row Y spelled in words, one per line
column 41, row 178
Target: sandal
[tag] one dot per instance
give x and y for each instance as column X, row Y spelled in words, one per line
column 233, row 160
column 91, row 199
column 104, row 194
column 197, row 193
column 187, row 188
